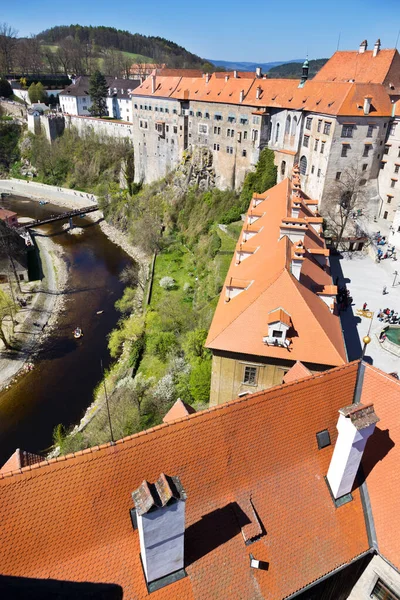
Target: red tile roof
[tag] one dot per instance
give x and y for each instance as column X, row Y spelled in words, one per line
column 177, row 411
column 239, row 326
column 298, row 371
column 362, row 68
column 381, row 460
column 19, row 460
column 331, row 98
column 68, row 519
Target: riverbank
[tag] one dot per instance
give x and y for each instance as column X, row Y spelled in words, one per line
column 73, row 199
column 35, row 322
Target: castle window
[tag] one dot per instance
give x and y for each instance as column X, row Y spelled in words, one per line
column 345, row 149
column 277, row 133
column 287, row 126
column 203, row 129
column 322, row 147
column 198, row 114
column 367, row 148
column 327, row 128
column 347, row 131
column 382, row 592
column 244, row 120
column 370, row 130
column 250, row 375
column 283, row 167
column 308, row 122
column 396, row 168
column 338, row 175
column 365, row 167
column 303, row 165
column 316, row 145
column 245, row 135
column 306, row 140
column 206, row 115
column 244, row 152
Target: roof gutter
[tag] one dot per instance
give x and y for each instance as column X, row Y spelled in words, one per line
column 367, row 509
column 337, row 570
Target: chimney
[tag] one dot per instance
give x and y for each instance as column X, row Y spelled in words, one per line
column 258, row 93
column 355, row 425
column 258, row 72
column 297, row 259
column 153, row 84
column 207, row 77
column 241, row 96
column 226, row 77
column 367, row 104
column 363, row 47
column 377, row 47
column 160, row 513
column 235, row 74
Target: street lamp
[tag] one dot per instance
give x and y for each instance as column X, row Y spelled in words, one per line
column 394, row 280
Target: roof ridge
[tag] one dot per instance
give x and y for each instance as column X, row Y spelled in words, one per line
column 298, row 283
column 230, row 405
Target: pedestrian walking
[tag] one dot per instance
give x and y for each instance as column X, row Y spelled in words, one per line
column 384, row 291
column 365, row 306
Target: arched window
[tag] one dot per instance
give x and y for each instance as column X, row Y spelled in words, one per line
column 287, row 127
column 277, row 133
column 283, row 167
column 303, row 165
column 294, row 125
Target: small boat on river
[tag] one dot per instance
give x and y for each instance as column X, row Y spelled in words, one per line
column 78, row 333
column 43, row 202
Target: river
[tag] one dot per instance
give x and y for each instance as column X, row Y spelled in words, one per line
column 61, row 386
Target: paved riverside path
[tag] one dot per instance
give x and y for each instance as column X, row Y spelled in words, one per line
column 56, row 195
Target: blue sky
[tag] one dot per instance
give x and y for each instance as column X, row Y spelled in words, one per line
column 227, row 30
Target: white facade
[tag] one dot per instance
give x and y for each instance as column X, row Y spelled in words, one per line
column 377, row 572
column 389, row 174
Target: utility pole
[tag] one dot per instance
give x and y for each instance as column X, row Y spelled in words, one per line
column 108, row 408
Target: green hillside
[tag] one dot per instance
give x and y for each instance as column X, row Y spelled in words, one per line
column 293, row 70
column 100, row 40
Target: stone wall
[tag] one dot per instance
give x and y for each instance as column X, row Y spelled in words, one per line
column 14, row 109
column 115, row 129
column 377, row 569
column 390, row 172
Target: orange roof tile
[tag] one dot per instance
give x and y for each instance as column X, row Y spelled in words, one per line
column 362, row 68
column 298, row 371
column 19, row 460
column 178, row 410
column 381, row 460
column 279, row 315
column 239, row 325
column 68, row 518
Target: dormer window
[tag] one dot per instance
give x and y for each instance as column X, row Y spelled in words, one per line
column 279, row 322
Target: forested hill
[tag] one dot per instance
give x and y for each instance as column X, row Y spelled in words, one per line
column 293, row 70
column 159, row 49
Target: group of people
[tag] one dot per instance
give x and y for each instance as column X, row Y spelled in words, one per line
column 381, row 241
column 388, row 315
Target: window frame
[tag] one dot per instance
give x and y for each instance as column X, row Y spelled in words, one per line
column 250, row 375
column 388, row 593
column 347, row 131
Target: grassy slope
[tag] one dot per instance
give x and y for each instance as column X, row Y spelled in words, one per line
column 136, row 58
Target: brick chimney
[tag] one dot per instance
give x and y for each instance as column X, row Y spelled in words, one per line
column 355, row 425
column 258, row 93
column 363, row 47
column 207, row 77
column 377, row 47
column 241, row 96
column 235, row 74
column 367, row 104
column 153, row 84
column 160, row 512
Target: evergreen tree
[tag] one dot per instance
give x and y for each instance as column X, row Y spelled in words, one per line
column 98, row 91
column 32, row 93
column 5, row 88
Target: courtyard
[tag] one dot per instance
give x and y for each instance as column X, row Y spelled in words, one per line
column 365, row 279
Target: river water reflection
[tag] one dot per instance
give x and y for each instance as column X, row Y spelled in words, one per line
column 60, row 388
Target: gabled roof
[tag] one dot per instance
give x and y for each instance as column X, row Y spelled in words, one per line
column 239, row 326
column 68, row 518
column 178, row 410
column 381, row 460
column 81, row 87
column 359, row 67
column 331, row 98
column 298, row 371
column 19, row 460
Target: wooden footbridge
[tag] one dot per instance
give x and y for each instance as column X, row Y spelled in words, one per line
column 67, row 215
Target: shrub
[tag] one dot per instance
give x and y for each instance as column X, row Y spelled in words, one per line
column 161, row 344
column 167, row 283
column 214, row 245
column 199, row 381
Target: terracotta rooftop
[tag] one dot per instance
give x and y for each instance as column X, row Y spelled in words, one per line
column 298, row 371
column 239, row 326
column 331, row 98
column 19, row 460
column 381, row 460
column 362, row 68
column 178, row 410
column 6, row 214
column 68, row 518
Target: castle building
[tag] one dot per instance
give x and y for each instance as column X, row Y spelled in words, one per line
column 329, row 125
column 278, row 303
